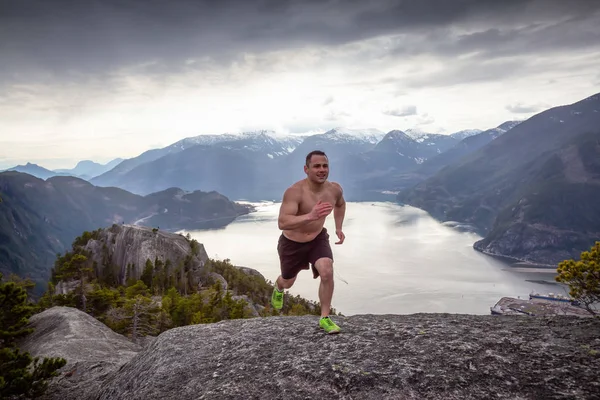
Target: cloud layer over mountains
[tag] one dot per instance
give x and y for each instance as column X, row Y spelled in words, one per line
column 105, row 79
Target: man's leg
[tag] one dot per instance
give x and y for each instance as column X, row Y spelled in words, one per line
column 282, row 283
column 291, row 262
column 325, row 268
column 322, row 259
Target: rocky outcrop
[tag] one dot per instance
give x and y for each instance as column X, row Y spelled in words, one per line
column 250, row 271
column 133, row 245
column 252, row 308
column 214, row 277
column 92, row 350
column 539, row 307
column 419, row 356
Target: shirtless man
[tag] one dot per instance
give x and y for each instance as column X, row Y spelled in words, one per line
column 304, row 240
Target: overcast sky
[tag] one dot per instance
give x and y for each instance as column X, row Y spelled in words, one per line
column 104, row 79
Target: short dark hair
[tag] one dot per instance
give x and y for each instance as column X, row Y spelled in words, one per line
column 314, row 153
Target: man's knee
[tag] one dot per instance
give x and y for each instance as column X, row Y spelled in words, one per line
column 286, row 283
column 325, row 267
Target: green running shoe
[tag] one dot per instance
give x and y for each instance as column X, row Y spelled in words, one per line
column 328, row 325
column 277, row 298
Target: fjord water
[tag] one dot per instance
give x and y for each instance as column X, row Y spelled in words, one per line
column 396, row 259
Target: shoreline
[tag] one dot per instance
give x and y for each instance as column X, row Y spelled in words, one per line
column 533, row 270
column 516, row 262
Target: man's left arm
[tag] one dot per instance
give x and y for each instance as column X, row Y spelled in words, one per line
column 339, row 211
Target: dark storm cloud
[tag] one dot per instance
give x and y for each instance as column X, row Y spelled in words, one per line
column 575, row 32
column 72, row 39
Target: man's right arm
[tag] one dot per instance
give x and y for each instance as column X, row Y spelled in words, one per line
column 288, row 210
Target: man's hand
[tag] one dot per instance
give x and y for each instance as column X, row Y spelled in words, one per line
column 340, row 236
column 320, row 210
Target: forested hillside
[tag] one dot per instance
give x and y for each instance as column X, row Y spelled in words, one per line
column 164, row 293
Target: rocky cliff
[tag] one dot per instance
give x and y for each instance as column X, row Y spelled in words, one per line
column 123, row 245
column 419, row 356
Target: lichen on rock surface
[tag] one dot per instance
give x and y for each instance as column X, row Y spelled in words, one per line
column 418, row 356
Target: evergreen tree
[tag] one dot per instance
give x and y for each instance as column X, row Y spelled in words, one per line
column 130, row 278
column 159, row 279
column 139, row 288
column 139, row 316
column 101, row 299
column 14, row 313
column 148, row 273
column 20, row 374
column 77, row 267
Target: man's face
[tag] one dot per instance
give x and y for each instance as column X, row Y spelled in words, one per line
column 317, row 169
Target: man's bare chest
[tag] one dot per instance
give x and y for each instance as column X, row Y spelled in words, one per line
column 309, row 200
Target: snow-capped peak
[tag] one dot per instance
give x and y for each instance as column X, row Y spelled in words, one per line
column 420, row 136
column 368, row 135
column 508, row 125
column 460, row 135
column 416, row 133
column 397, row 135
column 261, row 132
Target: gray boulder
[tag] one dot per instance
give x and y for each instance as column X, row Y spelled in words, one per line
column 92, row 350
column 250, row 272
column 419, row 356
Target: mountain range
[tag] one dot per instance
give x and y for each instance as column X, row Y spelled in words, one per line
column 532, row 191
column 40, row 218
column 252, row 165
column 260, row 165
column 529, row 187
column 85, row 169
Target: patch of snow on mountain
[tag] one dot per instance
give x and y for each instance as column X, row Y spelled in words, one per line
column 373, row 136
column 416, row 133
column 260, row 141
column 507, row 126
column 495, row 132
column 460, row 135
